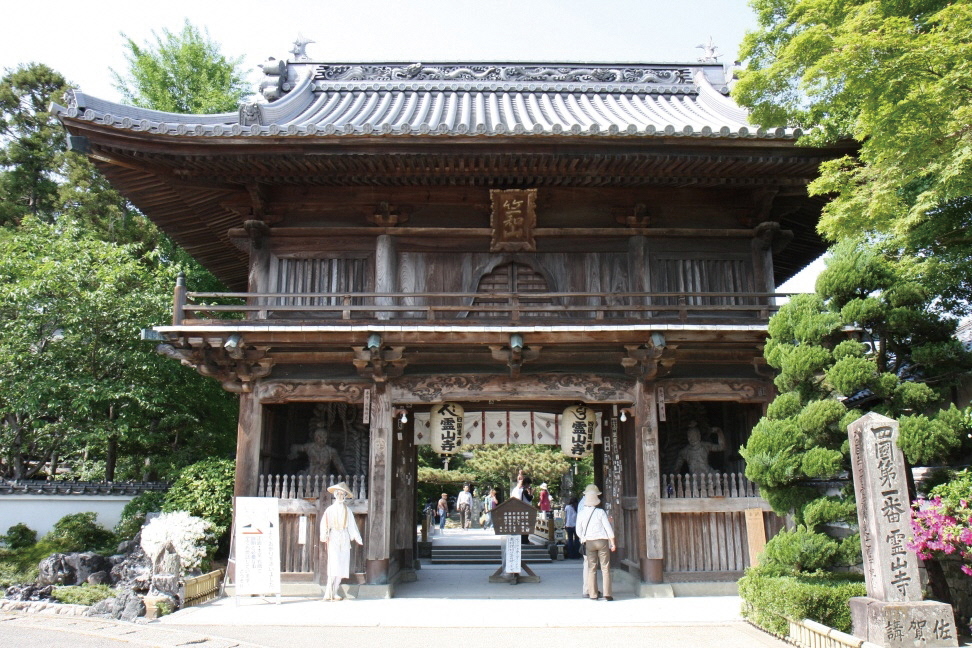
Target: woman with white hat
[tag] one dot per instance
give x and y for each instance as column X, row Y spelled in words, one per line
column 338, row 529
column 595, row 531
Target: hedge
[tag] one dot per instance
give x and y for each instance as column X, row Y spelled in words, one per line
column 769, row 600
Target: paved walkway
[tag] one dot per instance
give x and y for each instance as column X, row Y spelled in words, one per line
column 448, row 604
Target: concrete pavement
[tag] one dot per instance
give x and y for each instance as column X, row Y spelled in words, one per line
column 447, row 604
column 454, row 604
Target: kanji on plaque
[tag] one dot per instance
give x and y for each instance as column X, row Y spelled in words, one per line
column 513, row 219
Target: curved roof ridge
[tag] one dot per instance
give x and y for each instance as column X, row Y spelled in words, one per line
column 82, row 102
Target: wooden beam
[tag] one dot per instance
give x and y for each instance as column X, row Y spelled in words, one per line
column 713, row 504
column 477, row 388
column 485, row 232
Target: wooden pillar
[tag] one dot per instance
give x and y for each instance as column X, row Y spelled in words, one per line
column 378, row 540
column 649, row 487
column 249, row 432
column 638, row 264
column 612, row 482
column 259, row 276
column 386, row 271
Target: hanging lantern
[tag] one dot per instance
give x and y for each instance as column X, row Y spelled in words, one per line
column 445, row 425
column 577, row 431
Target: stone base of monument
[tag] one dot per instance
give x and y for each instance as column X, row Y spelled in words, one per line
column 894, row 625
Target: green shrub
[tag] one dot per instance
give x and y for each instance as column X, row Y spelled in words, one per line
column 770, row 600
column 205, row 490
column 80, row 532
column 85, row 594
column 13, row 573
column 133, row 515
column 800, row 550
column 20, row 536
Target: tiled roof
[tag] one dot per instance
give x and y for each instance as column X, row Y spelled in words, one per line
column 307, row 99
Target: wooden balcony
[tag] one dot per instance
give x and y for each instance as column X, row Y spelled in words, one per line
column 473, row 309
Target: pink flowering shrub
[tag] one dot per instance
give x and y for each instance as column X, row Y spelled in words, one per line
column 942, row 525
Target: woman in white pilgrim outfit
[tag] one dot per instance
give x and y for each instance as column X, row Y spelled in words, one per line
column 338, row 529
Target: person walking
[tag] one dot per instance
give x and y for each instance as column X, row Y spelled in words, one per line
column 595, row 531
column 464, row 506
column 546, row 508
column 489, row 503
column 572, row 551
column 442, row 510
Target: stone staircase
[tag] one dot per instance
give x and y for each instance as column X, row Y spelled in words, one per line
column 484, row 554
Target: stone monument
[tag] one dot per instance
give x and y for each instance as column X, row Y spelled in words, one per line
column 893, row 613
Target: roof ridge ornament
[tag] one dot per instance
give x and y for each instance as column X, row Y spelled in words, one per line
column 710, row 50
column 576, row 73
column 300, row 47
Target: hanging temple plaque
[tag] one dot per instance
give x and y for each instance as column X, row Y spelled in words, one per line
column 513, row 219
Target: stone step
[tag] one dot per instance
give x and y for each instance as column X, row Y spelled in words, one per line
column 484, row 555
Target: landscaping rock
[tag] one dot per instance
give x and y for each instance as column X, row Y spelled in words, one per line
column 99, row 578
column 55, row 570
column 86, row 564
column 30, row 592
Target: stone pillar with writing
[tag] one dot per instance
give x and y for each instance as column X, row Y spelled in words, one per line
column 893, row 613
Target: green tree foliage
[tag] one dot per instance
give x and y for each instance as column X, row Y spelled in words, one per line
column 205, row 490
column 74, row 377
column 499, row 464
column 181, row 72
column 20, row 536
column 893, row 76
column 909, row 361
column 33, row 144
column 80, row 532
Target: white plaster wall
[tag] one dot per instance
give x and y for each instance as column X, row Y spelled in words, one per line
column 40, row 512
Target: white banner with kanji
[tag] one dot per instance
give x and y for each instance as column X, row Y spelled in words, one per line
column 482, row 428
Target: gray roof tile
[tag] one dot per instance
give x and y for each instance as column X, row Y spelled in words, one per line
column 529, row 100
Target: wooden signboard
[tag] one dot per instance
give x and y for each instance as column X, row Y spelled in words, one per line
column 513, row 219
column 514, row 517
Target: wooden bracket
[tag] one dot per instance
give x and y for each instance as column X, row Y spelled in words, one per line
column 514, row 357
column 636, row 217
column 236, row 369
column 380, row 364
column 257, row 231
column 647, row 362
column 387, row 215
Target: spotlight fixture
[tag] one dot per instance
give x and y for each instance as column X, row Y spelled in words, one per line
column 625, row 413
column 402, row 415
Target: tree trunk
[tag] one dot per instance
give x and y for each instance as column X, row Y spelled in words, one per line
column 16, row 447
column 111, row 458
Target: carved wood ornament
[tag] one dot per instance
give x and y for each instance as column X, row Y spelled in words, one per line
column 237, row 368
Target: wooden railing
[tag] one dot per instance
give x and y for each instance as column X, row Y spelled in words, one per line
column 710, row 485
column 472, row 307
column 202, row 588
column 301, row 553
column 309, row 486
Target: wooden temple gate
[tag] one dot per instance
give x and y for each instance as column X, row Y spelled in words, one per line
column 677, row 527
